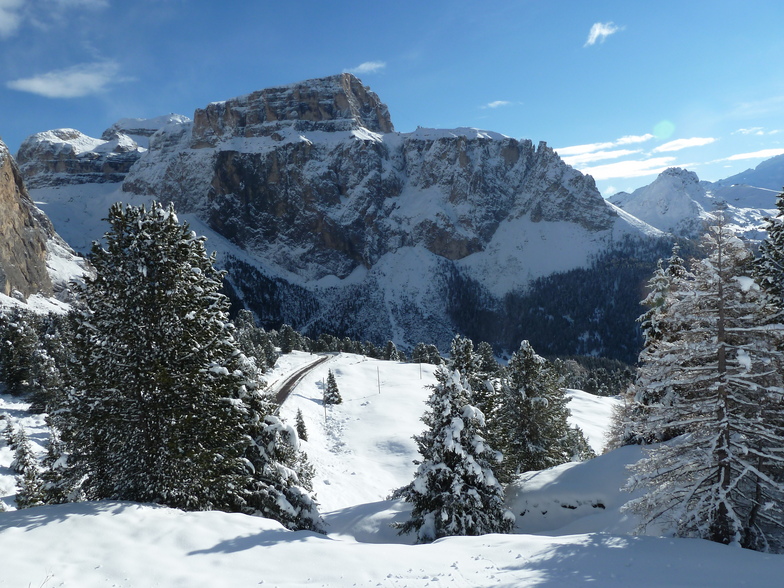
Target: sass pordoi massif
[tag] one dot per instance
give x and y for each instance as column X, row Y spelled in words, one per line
column 414, row 359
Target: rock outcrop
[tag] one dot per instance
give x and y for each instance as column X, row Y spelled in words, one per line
column 329, row 220
column 337, row 103
column 25, row 231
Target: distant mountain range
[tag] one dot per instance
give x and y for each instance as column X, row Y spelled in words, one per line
column 329, row 220
column 678, row 202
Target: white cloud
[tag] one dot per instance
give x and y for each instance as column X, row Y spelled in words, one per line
column 629, row 169
column 73, row 82
column 10, row 17
column 679, row 144
column 497, row 103
column 750, row 131
column 591, row 147
column 763, row 154
column 583, row 158
column 367, row 67
column 600, row 31
column 628, row 139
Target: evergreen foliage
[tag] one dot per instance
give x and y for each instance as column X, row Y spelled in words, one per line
column 770, row 264
column 715, row 380
column 281, row 477
column 154, row 417
column 18, row 345
column 331, row 392
column 531, row 425
column 302, row 431
column 390, row 352
column 454, row 491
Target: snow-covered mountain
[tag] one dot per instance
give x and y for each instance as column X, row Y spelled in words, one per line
column 35, row 263
column 329, row 220
column 570, row 528
column 678, row 202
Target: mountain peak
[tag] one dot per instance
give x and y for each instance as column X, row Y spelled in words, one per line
column 335, row 103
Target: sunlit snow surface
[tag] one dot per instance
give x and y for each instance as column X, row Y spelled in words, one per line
column 362, row 450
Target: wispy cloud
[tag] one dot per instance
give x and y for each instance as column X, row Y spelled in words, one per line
column 600, row 31
column 679, row 144
column 10, row 17
column 42, row 14
column 629, row 139
column 629, row 169
column 496, row 104
column 367, row 67
column 593, row 147
column 73, row 82
column 584, row 158
column 762, row 154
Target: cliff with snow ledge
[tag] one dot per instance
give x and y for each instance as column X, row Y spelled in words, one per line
column 328, row 219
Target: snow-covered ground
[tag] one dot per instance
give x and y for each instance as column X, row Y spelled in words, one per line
column 572, row 532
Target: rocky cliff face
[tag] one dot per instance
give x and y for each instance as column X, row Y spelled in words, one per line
column 25, row 231
column 317, row 165
column 329, row 220
column 69, row 157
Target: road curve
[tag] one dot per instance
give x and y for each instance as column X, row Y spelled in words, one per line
column 292, row 380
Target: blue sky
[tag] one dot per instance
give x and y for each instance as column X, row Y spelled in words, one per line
column 621, row 89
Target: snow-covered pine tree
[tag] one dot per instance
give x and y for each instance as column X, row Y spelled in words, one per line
column 770, row 264
column 462, row 356
column 630, row 419
column 24, row 458
column 302, row 431
column 530, row 426
column 9, row 434
column 454, row 491
column 18, row 344
column 719, row 383
column 331, row 392
column 281, row 481
column 155, row 416
column 391, row 352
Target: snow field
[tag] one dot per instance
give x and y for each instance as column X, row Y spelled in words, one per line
column 362, row 452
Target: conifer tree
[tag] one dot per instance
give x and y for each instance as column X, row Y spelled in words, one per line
column 24, row 458
column 302, row 430
column 454, row 491
column 717, row 379
column 630, row 424
column 153, row 418
column 770, row 264
column 331, row 392
column 18, row 344
column 281, row 481
column 390, row 352
column 530, row 426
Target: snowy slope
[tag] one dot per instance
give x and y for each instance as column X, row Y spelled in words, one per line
column 361, row 452
column 678, row 202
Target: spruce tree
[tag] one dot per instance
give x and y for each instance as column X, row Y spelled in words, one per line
column 531, row 424
column 770, row 264
column 390, row 352
column 281, row 481
column 331, row 392
column 454, row 491
column 717, row 381
column 302, row 430
column 154, row 417
column 18, row 344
